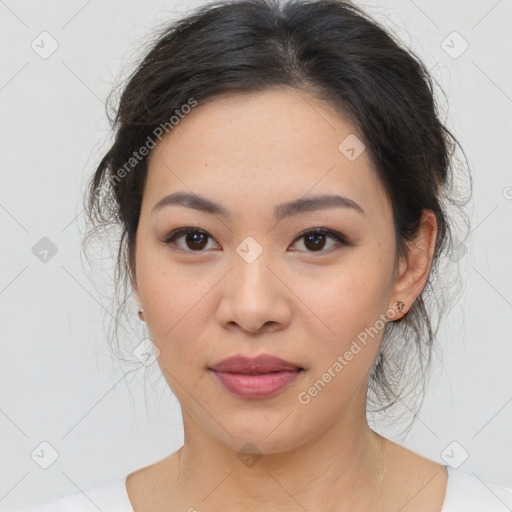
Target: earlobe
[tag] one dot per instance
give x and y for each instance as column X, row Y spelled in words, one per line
column 140, row 310
column 414, row 269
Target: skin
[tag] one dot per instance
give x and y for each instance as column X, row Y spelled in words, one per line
column 250, row 152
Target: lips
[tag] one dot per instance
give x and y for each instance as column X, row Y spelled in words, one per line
column 255, row 365
column 256, row 378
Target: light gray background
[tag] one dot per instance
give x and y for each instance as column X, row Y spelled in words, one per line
column 58, row 382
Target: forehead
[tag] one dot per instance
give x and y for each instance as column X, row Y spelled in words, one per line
column 262, row 145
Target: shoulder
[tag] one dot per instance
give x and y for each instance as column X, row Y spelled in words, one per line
column 109, row 497
column 468, row 493
column 456, row 491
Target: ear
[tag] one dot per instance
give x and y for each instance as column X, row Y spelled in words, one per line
column 133, row 283
column 413, row 269
column 140, row 309
column 136, row 295
column 132, row 275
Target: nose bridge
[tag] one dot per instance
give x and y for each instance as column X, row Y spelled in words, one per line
column 251, row 272
column 253, row 296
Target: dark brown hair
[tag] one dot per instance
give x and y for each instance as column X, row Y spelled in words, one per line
column 336, row 52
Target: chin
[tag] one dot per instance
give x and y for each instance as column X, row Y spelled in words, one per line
column 261, row 437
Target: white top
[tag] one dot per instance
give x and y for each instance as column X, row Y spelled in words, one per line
column 464, row 493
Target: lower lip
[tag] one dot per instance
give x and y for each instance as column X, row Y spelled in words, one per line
column 264, row 385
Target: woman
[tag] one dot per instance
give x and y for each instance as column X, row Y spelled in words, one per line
column 280, row 174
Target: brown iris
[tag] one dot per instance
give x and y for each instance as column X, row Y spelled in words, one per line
column 196, row 240
column 317, row 239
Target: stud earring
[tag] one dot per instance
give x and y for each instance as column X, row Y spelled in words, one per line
column 399, row 305
column 140, row 313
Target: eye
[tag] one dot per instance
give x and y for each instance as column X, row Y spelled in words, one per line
column 195, row 239
column 315, row 239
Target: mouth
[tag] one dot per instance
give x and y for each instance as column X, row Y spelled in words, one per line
column 257, row 385
column 261, row 364
column 263, row 373
column 256, row 378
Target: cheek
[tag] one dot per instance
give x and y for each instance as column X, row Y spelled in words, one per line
column 350, row 303
column 176, row 309
column 176, row 328
column 344, row 356
column 356, row 292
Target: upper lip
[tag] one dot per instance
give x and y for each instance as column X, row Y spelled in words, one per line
column 261, row 364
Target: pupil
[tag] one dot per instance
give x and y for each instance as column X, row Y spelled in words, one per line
column 315, row 238
column 196, row 238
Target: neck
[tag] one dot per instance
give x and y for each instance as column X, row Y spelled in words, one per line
column 342, row 469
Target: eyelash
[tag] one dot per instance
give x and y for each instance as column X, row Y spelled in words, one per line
column 338, row 237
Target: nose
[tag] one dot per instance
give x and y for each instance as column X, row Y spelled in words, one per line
column 254, row 297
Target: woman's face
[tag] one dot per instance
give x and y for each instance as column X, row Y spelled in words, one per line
column 259, row 281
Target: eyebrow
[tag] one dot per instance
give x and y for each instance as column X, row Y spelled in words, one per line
column 281, row 211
